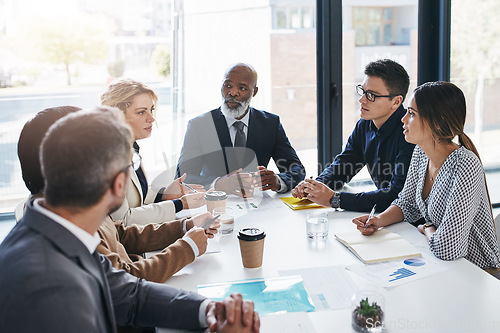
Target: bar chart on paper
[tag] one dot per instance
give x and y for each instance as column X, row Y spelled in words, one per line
column 401, row 274
column 396, row 272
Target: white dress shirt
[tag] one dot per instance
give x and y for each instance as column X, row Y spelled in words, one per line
column 232, row 133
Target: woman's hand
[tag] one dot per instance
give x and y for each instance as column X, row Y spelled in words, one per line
column 177, row 189
column 367, row 227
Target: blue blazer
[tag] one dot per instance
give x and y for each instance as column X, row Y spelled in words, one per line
column 208, row 152
column 51, row 283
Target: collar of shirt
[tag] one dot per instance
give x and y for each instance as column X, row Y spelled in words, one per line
column 391, row 124
column 87, row 239
column 232, row 130
column 230, row 120
column 136, row 147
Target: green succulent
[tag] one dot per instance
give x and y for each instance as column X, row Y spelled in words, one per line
column 368, row 310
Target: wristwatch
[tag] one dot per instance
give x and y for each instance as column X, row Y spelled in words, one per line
column 335, row 200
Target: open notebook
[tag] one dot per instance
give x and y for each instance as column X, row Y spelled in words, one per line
column 381, row 246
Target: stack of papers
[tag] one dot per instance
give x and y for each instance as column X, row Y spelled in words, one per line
column 381, row 246
column 296, row 204
column 271, row 295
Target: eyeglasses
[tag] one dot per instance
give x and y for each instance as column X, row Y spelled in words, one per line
column 136, row 164
column 369, row 95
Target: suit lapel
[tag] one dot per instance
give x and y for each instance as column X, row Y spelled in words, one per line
column 137, row 184
column 253, row 129
column 225, row 140
column 221, row 128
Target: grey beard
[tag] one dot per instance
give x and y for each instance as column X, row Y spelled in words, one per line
column 237, row 112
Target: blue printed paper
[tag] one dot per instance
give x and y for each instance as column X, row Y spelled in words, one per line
column 272, row 295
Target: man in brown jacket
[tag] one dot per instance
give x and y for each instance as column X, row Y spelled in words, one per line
column 124, row 246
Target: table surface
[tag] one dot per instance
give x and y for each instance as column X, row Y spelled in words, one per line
column 462, row 298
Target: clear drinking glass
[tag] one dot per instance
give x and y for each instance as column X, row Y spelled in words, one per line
column 317, row 224
column 226, row 220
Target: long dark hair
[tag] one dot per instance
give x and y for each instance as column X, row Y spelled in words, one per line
column 441, row 106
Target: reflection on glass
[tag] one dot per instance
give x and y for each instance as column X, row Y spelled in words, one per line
column 475, row 70
column 373, row 33
column 295, row 20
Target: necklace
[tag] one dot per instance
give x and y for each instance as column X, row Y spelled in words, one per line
column 435, row 174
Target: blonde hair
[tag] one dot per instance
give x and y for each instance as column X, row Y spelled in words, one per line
column 120, row 94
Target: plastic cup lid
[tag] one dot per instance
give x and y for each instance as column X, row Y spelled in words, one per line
column 251, row 234
column 215, row 195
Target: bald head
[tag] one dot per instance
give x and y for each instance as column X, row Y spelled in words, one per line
column 245, row 70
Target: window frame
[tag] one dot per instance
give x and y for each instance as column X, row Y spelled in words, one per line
column 434, row 51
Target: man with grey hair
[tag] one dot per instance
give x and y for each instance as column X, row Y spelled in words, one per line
column 56, row 280
column 226, row 147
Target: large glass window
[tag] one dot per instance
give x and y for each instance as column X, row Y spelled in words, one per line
column 474, row 68
column 276, row 37
column 386, row 29
column 65, row 52
column 286, row 15
column 383, row 25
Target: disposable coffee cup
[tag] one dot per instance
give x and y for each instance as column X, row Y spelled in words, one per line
column 251, row 246
column 216, row 199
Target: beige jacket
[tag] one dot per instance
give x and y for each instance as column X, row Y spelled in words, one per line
column 132, row 211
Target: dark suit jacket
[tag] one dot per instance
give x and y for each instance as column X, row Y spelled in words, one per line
column 208, row 152
column 51, row 283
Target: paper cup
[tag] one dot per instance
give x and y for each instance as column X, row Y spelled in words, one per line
column 215, row 199
column 251, row 246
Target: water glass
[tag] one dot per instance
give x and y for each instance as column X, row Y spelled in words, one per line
column 226, row 220
column 317, row 224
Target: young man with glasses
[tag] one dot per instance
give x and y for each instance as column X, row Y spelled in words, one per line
column 376, row 142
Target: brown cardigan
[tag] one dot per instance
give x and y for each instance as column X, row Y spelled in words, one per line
column 124, row 246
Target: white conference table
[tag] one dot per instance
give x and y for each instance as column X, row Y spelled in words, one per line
column 462, row 298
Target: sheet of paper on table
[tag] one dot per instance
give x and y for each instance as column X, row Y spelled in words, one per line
column 260, row 200
column 269, row 295
column 397, row 272
column 330, row 287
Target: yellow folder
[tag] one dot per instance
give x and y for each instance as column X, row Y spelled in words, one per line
column 296, row 204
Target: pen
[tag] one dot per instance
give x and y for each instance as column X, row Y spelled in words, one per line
column 209, row 222
column 370, row 216
column 189, row 187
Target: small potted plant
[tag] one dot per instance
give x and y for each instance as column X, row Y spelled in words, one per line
column 367, row 317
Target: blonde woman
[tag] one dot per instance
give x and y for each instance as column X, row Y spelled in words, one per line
column 445, row 183
column 142, row 204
